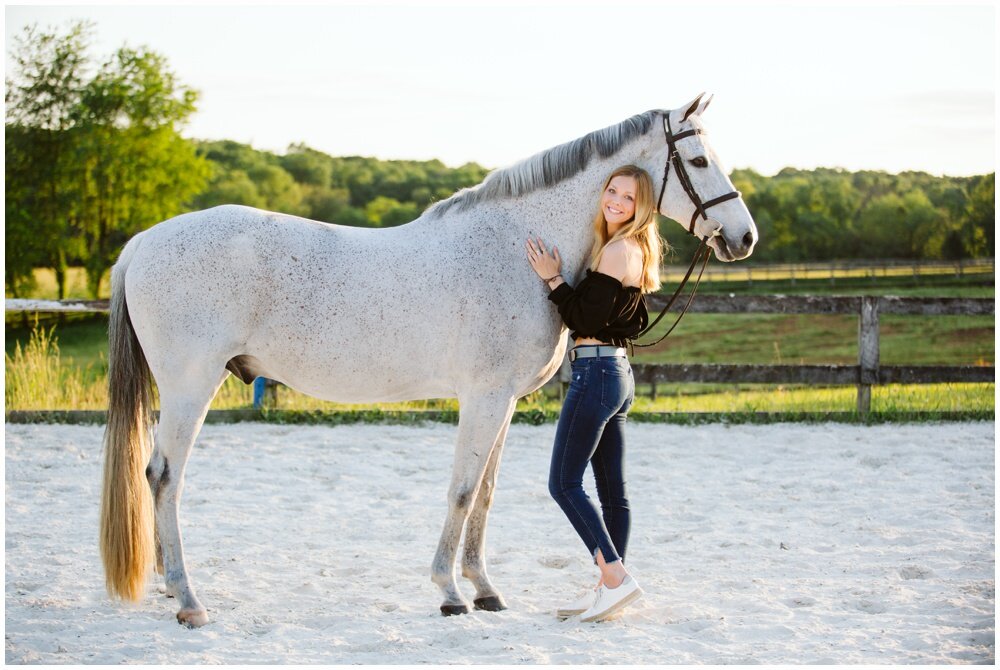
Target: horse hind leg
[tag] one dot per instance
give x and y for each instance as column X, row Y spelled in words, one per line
column 481, row 422
column 474, row 550
column 183, row 407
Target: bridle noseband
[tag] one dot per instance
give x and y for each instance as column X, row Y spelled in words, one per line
column 682, row 175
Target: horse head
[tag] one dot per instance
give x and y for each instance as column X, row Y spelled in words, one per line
column 694, row 188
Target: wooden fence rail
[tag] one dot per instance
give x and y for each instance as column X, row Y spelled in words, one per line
column 750, row 271
column 867, row 373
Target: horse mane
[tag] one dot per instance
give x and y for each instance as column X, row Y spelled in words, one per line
column 548, row 167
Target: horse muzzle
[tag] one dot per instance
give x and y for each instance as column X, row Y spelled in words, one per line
column 729, row 250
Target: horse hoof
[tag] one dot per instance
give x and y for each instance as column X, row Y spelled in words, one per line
column 490, row 604
column 192, row 618
column 452, row 610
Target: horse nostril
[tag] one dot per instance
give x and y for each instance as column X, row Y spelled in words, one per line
column 748, row 239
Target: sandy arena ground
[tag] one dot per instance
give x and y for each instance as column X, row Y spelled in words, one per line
column 755, row 544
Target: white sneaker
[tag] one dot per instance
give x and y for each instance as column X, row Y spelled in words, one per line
column 610, row 600
column 578, row 606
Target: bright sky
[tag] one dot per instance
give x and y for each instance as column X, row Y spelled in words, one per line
column 859, row 86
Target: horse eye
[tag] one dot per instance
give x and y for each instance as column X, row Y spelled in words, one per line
column 699, row 162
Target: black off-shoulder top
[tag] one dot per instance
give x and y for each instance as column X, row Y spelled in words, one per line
column 602, row 308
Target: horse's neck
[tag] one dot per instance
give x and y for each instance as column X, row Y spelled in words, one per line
column 563, row 215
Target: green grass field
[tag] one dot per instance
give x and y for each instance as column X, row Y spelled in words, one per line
column 68, row 371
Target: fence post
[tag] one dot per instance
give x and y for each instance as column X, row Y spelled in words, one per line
column 868, row 347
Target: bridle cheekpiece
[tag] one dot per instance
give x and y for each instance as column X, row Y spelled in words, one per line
column 703, row 253
column 682, row 175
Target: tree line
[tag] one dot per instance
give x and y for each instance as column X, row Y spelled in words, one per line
column 351, row 190
column 94, row 154
column 833, row 214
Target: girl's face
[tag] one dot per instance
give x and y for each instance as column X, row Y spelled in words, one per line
column 618, row 202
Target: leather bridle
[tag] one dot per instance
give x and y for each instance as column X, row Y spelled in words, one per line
column 682, row 175
column 704, row 252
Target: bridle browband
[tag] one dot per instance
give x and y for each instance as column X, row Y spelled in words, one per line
column 704, row 252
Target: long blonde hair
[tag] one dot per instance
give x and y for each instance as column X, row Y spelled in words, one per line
column 642, row 228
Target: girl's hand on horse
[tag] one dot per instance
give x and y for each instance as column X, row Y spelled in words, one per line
column 545, row 264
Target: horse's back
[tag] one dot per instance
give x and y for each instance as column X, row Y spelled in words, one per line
column 337, row 312
column 221, row 260
column 243, row 249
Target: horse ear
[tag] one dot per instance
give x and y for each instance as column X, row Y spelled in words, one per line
column 704, row 105
column 692, row 107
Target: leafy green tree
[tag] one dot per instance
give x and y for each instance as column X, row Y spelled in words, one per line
column 41, row 95
column 421, row 196
column 361, row 184
column 91, row 161
column 327, row 204
column 24, row 241
column 307, row 166
column 400, row 214
column 279, row 189
column 134, row 167
column 378, row 208
column 978, row 229
column 232, row 187
column 352, row 216
column 235, row 156
column 928, row 226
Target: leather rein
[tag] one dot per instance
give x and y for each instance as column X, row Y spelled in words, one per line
column 704, row 252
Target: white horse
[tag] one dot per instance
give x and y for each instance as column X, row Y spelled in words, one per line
column 443, row 307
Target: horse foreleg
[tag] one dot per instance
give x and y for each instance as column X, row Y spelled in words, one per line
column 180, row 421
column 481, row 422
column 474, row 554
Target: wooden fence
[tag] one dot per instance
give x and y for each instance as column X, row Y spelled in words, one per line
column 867, row 373
column 749, row 272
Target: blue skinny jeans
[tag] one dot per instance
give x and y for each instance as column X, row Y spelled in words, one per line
column 591, row 430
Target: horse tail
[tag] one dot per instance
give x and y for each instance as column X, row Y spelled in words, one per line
column 127, row 544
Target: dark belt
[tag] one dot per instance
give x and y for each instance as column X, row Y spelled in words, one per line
column 595, row 351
